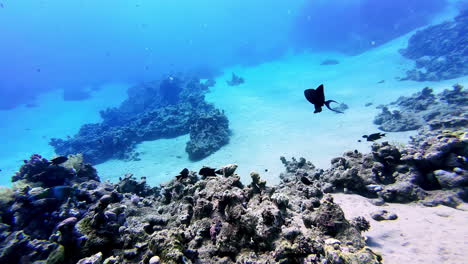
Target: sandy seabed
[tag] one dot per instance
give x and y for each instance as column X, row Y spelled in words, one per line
column 429, row 235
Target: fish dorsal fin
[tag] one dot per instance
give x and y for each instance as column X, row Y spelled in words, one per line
column 320, row 94
column 310, row 96
column 315, row 96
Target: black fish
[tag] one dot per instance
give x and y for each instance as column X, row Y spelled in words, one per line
column 182, row 174
column 58, row 160
column 207, row 171
column 317, row 98
column 373, row 137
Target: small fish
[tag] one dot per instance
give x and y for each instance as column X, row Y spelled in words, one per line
column 58, row 160
column 183, row 174
column 100, row 141
column 317, row 98
column 373, row 137
column 382, row 81
column 207, row 171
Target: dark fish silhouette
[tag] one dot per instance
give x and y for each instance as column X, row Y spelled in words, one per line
column 207, row 171
column 373, row 137
column 317, row 98
column 183, row 174
column 58, row 160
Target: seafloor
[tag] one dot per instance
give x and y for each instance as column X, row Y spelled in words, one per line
column 201, row 218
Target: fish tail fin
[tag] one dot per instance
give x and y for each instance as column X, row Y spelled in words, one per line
column 327, row 104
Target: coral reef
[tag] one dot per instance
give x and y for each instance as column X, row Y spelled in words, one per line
column 447, row 109
column 432, row 169
column 166, row 108
column 440, row 52
column 188, row 220
column 208, row 133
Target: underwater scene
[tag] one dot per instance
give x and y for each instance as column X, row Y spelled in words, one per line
column 248, row 131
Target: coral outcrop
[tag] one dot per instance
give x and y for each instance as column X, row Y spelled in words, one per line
column 208, row 133
column 216, row 219
column 447, row 109
column 166, row 108
column 432, row 169
column 440, row 51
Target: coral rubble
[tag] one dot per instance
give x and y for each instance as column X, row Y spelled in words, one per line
column 440, row 51
column 169, row 107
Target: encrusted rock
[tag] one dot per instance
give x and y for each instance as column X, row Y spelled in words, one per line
column 94, row 259
column 383, row 215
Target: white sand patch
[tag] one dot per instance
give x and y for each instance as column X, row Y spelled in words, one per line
column 429, row 235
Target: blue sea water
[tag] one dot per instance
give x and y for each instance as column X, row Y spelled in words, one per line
column 91, row 52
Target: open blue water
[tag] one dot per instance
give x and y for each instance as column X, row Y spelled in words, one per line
column 93, row 51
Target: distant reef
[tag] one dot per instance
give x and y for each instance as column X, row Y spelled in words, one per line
column 448, row 109
column 440, row 51
column 166, row 108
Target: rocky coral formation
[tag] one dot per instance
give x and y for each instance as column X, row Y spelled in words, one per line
column 440, row 51
column 216, row 219
column 161, row 109
column 447, row 109
column 208, row 133
column 431, row 169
